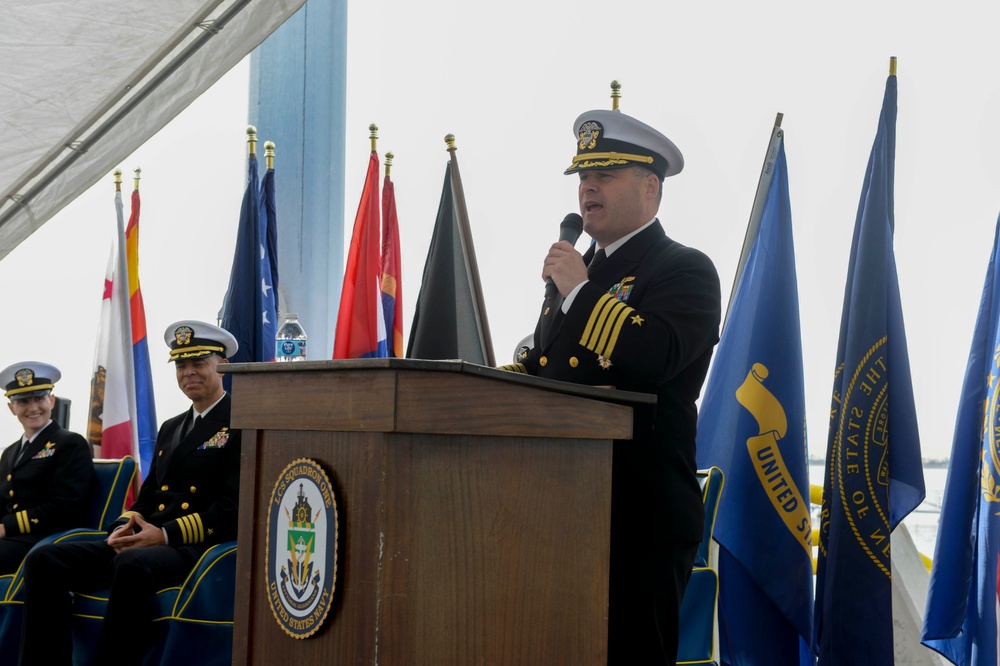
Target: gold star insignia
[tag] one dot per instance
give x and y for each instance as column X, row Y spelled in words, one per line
column 603, row 362
column 211, row 531
column 637, row 320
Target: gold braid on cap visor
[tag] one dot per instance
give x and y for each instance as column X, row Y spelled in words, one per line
column 29, row 389
column 189, row 352
column 598, row 160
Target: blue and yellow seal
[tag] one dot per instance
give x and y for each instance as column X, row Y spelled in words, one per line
column 301, row 548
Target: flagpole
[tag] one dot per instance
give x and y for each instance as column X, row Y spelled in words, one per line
column 137, row 175
column 616, row 94
column 470, row 253
column 118, row 180
column 763, row 184
column 251, row 140
column 388, row 164
column 269, row 154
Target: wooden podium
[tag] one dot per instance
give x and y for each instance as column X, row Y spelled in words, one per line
column 473, row 511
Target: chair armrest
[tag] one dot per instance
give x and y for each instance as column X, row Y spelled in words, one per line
column 209, row 592
column 77, row 534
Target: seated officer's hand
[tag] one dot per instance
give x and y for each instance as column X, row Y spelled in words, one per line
column 136, row 533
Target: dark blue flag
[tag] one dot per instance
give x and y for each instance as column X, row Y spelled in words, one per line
column 248, row 311
column 961, row 617
column 752, row 426
column 874, row 475
column 267, row 256
column 270, row 214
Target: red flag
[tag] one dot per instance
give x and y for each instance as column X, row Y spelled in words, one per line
column 392, row 288
column 360, row 325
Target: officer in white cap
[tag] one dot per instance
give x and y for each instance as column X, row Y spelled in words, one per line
column 640, row 312
column 187, row 503
column 46, row 474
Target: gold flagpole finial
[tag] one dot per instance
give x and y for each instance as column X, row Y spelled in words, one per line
column 373, row 129
column 269, row 154
column 450, row 141
column 388, row 163
column 137, row 174
column 252, row 140
column 892, row 66
column 118, row 180
column 616, row 94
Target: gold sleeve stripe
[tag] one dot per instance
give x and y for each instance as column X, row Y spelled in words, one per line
column 185, row 532
column 192, row 531
column 129, row 514
column 23, row 524
column 514, row 367
column 201, row 528
column 622, row 315
column 590, row 331
column 605, row 324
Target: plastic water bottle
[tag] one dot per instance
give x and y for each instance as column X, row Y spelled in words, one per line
column 290, row 341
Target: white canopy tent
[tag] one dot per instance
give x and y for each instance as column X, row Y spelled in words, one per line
column 86, row 82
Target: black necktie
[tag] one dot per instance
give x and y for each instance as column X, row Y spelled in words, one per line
column 596, row 260
column 192, row 424
column 20, row 453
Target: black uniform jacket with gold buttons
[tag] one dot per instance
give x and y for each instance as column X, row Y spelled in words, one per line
column 647, row 320
column 192, row 490
column 44, row 489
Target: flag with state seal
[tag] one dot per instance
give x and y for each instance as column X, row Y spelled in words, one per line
column 874, row 475
column 961, row 617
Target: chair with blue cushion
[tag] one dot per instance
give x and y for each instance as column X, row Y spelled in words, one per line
column 106, row 501
column 699, row 620
column 194, row 622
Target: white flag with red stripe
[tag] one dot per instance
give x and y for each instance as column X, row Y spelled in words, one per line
column 111, row 429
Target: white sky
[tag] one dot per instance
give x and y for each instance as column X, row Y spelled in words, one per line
column 508, row 81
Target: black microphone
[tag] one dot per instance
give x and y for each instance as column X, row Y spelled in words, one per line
column 569, row 230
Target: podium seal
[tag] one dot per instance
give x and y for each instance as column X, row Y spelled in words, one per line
column 301, row 548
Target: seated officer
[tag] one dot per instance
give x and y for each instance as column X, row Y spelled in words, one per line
column 187, row 503
column 44, row 475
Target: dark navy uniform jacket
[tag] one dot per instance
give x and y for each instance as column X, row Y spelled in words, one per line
column 647, row 321
column 44, row 490
column 192, row 490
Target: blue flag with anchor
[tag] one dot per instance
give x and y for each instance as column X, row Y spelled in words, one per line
column 961, row 617
column 752, row 426
column 874, row 476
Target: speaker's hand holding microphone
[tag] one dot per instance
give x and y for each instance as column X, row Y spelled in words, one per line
column 563, row 263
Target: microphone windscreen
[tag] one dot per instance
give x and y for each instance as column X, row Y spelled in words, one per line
column 571, row 228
